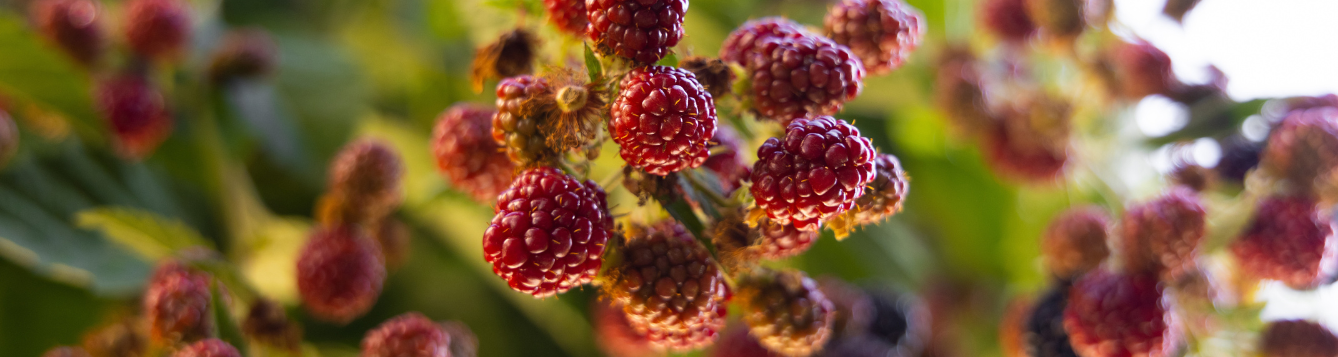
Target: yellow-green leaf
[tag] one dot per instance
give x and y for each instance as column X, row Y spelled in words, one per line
column 151, row 236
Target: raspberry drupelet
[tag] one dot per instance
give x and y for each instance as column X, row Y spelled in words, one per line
column 663, row 120
column 549, row 232
column 802, row 76
column 814, row 173
column 881, row 32
column 467, row 155
column 641, row 31
column 670, row 287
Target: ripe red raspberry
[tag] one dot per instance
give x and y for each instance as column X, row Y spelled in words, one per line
column 1118, row 315
column 1290, row 240
column 65, row 351
column 615, row 335
column 812, row 174
column 1301, row 149
column 244, row 53
column 515, row 126
column 1029, row 141
column 662, row 120
column 1075, row 242
column 1297, row 338
column 1141, row 70
column 176, row 304
column 136, row 114
column 786, row 312
column 339, row 273
column 804, row 76
column 158, row 29
column 567, row 15
column 9, row 138
column 367, row 174
column 467, row 155
column 881, row 32
column 887, row 192
column 1045, row 335
column 641, row 31
column 212, row 347
column 728, row 163
column 1007, row 19
column 73, row 25
column 712, row 73
column 548, row 233
column 1163, row 235
column 267, row 323
column 670, row 287
column 739, row 46
column 407, row 335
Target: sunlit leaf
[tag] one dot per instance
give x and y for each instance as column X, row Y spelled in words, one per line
column 151, row 236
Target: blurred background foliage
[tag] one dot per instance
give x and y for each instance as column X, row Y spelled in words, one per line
column 245, row 165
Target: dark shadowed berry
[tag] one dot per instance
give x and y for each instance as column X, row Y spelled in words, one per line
column 9, row 138
column 158, row 29
column 407, row 335
column 1115, row 315
column 881, row 32
column 176, row 304
column 135, row 112
column 663, row 120
column 1291, row 240
column 392, row 235
column 244, row 53
column 670, row 287
column 1075, row 242
column 268, row 323
column 1045, row 335
column 467, row 154
column 73, row 25
column 958, row 91
column 728, row 162
column 549, row 232
column 813, row 173
column 1297, row 338
column 641, row 31
column 366, row 174
column 1007, row 19
column 786, row 312
column 1239, row 156
column 737, row 342
column 124, row 338
column 615, row 335
column 212, row 347
column 1176, row 9
column 339, row 273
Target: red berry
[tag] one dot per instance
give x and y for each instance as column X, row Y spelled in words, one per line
column 1141, row 70
column 367, row 174
column 1163, row 235
column 1301, row 149
column 670, row 287
column 516, row 125
column 176, row 304
column 339, row 273
column 786, row 312
column 136, row 114
column 467, row 155
column 1116, row 315
column 812, row 174
column 780, row 241
column 74, row 25
column 65, row 351
column 728, row 164
column 1008, row 19
column 1290, row 240
column 615, row 335
column 662, row 120
column 212, row 347
column 244, row 53
column 1075, row 242
column 567, row 15
column 739, row 46
column 158, row 29
column 804, row 76
column 881, row 32
column 1029, row 141
column 1297, row 338
column 407, row 335
column 549, row 232
column 640, row 31
column 885, row 194
column 9, row 138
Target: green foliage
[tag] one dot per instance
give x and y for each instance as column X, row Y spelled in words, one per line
column 152, row 237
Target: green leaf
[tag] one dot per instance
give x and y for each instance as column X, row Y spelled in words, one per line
column 33, row 71
column 670, row 60
column 592, row 65
column 228, row 331
column 151, row 236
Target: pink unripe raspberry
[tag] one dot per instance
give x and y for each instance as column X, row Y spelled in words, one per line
column 339, row 273
column 407, row 335
column 158, row 29
column 176, row 304
column 74, row 25
column 135, row 112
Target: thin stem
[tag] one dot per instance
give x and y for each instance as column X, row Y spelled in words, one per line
column 710, row 194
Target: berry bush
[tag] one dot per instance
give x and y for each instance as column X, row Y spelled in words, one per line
column 636, row 178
